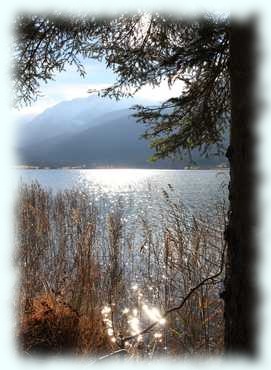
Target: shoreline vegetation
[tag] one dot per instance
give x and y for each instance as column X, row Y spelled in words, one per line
column 25, row 167
column 90, row 283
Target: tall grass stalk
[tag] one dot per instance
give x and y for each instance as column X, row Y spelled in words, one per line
column 86, row 281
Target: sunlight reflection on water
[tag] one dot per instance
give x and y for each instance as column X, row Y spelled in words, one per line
column 116, row 180
column 137, row 188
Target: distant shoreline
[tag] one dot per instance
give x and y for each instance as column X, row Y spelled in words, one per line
column 24, row 167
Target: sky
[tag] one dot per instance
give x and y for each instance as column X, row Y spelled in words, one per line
column 69, row 85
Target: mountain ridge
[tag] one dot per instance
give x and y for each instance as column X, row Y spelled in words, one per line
column 109, row 139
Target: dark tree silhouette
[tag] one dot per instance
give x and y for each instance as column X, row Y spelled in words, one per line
column 214, row 58
column 240, row 292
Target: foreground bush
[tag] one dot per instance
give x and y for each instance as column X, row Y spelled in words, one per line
column 49, row 327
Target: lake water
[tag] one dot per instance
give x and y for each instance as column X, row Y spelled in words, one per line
column 138, row 197
column 198, row 190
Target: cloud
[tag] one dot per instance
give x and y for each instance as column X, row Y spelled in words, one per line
column 160, row 93
column 72, row 91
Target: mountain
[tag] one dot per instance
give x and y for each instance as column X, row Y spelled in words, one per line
column 68, row 117
column 113, row 140
column 86, row 133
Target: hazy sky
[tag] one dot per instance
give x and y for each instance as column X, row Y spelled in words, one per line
column 68, row 85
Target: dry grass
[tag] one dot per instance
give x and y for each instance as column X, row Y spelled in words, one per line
column 86, row 280
column 49, row 327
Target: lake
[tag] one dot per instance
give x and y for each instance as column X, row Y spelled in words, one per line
column 141, row 189
column 145, row 202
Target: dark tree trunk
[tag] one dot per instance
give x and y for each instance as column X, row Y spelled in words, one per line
column 239, row 293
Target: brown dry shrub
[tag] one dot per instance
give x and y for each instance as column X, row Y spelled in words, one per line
column 50, row 326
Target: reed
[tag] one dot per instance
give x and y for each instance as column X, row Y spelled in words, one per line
column 87, row 279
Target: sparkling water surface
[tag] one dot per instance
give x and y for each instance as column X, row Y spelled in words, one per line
column 198, row 190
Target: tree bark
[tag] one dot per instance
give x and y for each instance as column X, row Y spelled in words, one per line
column 239, row 295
